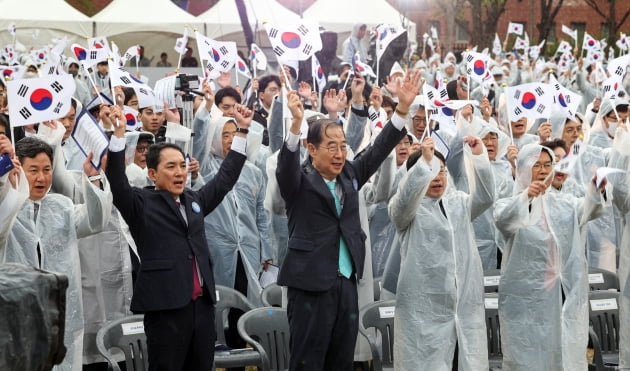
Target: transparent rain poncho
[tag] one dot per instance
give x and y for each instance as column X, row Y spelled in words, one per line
column 240, row 224
column 59, row 225
column 620, row 159
column 439, row 298
column 543, row 259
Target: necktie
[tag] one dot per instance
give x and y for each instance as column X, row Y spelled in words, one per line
column 345, row 262
column 197, row 290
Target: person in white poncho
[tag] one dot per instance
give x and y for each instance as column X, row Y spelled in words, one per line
column 544, row 261
column 439, row 299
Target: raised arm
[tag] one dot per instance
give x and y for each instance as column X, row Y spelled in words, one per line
column 413, row 187
column 288, row 169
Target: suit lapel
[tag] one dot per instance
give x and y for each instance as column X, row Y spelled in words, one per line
column 320, row 185
column 174, row 208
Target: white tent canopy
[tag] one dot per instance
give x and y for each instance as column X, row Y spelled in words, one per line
column 223, row 21
column 124, row 16
column 341, row 15
column 54, row 18
column 154, row 24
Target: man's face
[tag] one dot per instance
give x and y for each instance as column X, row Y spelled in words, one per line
column 491, row 141
column 390, row 111
column 227, row 106
column 170, row 174
column 542, row 167
column 227, row 136
column 38, row 171
column 449, row 71
column 438, row 184
column 133, row 103
column 73, row 69
column 419, row 123
column 330, row 156
column 267, row 96
column 403, row 150
column 571, row 132
column 68, row 122
column 519, row 127
column 151, row 120
column 558, row 178
column 140, row 156
column 103, row 69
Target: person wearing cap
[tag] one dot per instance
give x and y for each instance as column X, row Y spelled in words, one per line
column 355, row 43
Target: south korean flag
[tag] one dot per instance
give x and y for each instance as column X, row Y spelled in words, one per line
column 532, row 100
column 296, row 42
column 40, row 99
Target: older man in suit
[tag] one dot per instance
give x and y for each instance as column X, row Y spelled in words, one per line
column 326, row 247
column 175, row 285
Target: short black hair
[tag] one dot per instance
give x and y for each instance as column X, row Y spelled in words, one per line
column 129, row 93
column 318, row 127
column 264, row 81
column 153, row 156
column 388, row 102
column 413, row 158
column 102, row 63
column 227, row 92
column 553, row 144
column 163, row 55
column 30, row 147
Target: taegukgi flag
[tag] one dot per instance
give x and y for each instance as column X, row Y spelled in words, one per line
column 39, row 99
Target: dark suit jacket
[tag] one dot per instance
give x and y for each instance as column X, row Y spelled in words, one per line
column 166, row 243
column 314, row 227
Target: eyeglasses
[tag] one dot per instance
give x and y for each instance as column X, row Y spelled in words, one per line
column 333, row 148
column 418, row 119
column 141, row 149
column 546, row 166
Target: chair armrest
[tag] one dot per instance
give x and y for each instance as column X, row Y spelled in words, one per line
column 265, row 361
column 111, row 362
column 597, row 356
column 376, row 356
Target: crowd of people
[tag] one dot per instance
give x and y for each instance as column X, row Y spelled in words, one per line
column 335, row 186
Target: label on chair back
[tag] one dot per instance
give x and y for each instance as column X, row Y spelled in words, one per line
column 386, row 312
column 491, row 303
column 491, row 280
column 603, row 304
column 133, row 328
column 595, row 278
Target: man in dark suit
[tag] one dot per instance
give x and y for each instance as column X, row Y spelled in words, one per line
column 326, row 248
column 175, row 285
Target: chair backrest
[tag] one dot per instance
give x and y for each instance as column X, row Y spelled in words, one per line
column 378, row 286
column 271, row 296
column 604, row 319
column 491, row 279
column 380, row 315
column 601, row 279
column 228, row 298
column 267, row 330
column 493, row 330
column 126, row 334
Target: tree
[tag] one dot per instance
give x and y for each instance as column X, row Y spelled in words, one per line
column 485, row 15
column 610, row 16
column 548, row 11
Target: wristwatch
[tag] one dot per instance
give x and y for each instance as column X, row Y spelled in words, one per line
column 242, row 130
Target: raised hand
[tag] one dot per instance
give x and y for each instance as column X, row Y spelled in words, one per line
column 243, row 116
column 330, row 103
column 536, row 189
column 295, row 106
column 208, row 94
column 428, row 148
column 304, row 90
column 544, row 131
column 392, row 85
column 358, row 84
column 408, row 91
column 376, row 97
column 476, row 145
